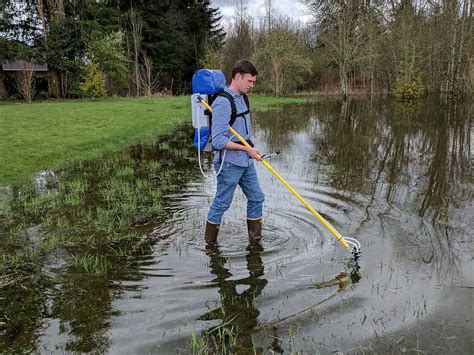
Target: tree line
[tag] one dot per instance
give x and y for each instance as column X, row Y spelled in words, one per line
column 95, row 48
column 110, row 47
column 405, row 47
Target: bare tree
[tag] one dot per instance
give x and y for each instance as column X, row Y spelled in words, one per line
column 371, row 30
column 50, row 13
column 270, row 11
column 136, row 27
column 55, row 15
column 56, row 10
column 338, row 25
column 280, row 58
column 456, row 22
column 240, row 37
column 149, row 83
column 64, row 83
column 25, row 84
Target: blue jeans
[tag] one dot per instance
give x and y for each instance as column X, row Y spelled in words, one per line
column 230, row 176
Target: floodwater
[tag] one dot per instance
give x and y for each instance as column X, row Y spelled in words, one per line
column 396, row 177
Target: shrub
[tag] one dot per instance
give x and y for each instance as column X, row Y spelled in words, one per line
column 93, row 84
column 408, row 85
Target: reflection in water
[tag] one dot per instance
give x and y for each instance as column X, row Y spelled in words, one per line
column 418, row 155
column 397, row 173
column 341, row 281
column 278, row 128
column 83, row 307
column 237, row 311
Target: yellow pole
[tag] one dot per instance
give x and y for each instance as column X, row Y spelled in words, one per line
column 334, row 232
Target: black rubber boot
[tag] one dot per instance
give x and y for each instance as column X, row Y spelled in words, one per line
column 211, row 232
column 254, row 227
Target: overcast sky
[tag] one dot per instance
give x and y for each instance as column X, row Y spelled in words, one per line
column 292, row 8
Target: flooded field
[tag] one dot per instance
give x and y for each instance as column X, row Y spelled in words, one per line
column 93, row 261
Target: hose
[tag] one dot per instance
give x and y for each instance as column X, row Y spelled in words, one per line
column 199, row 156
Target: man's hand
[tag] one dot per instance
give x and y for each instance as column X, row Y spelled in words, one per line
column 254, row 153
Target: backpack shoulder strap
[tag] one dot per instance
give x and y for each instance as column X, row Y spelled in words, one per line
column 246, row 99
column 229, row 97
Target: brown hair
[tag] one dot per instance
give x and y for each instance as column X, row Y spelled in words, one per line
column 244, row 66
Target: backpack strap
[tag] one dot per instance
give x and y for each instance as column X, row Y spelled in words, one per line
column 242, row 114
column 233, row 107
column 246, row 99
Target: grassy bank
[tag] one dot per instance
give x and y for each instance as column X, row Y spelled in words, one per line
column 46, row 135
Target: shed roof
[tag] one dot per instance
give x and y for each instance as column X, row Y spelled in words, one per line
column 20, row 65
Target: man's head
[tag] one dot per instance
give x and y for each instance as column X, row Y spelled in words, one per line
column 244, row 75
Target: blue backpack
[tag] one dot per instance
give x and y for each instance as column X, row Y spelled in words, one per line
column 210, row 83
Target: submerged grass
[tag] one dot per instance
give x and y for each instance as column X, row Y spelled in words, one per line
column 220, row 340
column 44, row 136
column 94, row 264
column 100, row 197
column 198, row 345
column 227, row 339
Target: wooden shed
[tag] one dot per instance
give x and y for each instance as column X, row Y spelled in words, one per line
column 17, row 66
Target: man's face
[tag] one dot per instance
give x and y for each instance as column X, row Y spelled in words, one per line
column 245, row 82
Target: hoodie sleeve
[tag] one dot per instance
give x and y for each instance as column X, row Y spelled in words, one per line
column 221, row 112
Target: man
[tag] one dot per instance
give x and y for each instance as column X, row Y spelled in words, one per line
column 238, row 167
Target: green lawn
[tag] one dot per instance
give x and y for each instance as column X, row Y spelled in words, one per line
column 46, row 135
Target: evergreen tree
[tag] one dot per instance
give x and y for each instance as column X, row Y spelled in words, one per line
column 175, row 35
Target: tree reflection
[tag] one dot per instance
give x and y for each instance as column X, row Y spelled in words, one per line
column 237, row 311
column 350, row 276
column 347, row 143
column 445, row 184
column 279, row 126
column 415, row 157
column 83, row 306
column 449, row 150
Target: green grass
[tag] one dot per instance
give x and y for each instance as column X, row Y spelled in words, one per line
column 95, row 264
column 43, row 136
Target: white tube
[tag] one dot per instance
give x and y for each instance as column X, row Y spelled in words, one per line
column 199, row 155
column 199, row 151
